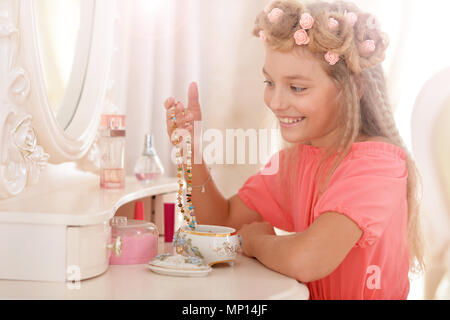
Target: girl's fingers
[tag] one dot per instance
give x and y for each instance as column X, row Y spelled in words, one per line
column 174, row 110
column 183, row 119
column 180, row 113
column 193, row 98
column 169, row 103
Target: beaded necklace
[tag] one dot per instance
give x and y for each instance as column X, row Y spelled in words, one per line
column 187, row 212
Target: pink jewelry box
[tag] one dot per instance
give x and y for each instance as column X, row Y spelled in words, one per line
column 139, row 241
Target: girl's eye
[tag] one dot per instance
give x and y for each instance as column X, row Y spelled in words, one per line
column 297, row 89
column 293, row 88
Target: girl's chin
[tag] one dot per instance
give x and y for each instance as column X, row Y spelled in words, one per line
column 292, row 138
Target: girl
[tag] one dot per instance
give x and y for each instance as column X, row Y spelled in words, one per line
column 347, row 186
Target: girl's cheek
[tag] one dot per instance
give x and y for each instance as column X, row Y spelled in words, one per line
column 308, row 104
column 302, row 104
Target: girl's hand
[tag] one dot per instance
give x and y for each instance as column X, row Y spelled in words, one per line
column 250, row 231
column 184, row 117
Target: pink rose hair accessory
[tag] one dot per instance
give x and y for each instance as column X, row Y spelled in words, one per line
column 351, row 18
column 333, row 24
column 301, row 37
column 275, row 15
column 306, row 21
column 368, row 47
column 332, row 58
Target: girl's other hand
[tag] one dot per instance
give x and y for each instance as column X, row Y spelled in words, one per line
column 249, row 232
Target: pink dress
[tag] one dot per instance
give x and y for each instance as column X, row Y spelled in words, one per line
column 370, row 188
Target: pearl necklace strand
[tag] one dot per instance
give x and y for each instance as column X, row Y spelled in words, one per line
column 187, row 212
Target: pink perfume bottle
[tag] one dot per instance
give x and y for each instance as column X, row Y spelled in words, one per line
column 148, row 167
column 112, row 150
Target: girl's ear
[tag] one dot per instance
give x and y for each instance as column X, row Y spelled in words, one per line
column 361, row 85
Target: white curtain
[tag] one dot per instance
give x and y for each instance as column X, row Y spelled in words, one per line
column 175, row 42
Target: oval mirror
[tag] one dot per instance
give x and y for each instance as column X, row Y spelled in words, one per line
column 68, row 52
column 64, row 32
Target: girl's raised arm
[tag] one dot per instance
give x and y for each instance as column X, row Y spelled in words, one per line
column 210, row 206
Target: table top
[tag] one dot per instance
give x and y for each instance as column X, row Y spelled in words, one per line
column 71, row 197
column 247, row 279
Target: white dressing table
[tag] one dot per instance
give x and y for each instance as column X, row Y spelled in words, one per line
column 67, row 197
column 247, row 280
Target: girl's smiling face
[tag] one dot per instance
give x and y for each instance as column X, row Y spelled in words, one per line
column 302, row 96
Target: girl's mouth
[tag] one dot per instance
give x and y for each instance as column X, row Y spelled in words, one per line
column 290, row 122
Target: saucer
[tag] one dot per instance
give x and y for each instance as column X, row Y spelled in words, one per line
column 179, row 266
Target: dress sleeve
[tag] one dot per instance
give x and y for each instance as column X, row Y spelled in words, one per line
column 263, row 193
column 368, row 189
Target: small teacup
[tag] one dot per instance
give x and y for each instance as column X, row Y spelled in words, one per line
column 213, row 244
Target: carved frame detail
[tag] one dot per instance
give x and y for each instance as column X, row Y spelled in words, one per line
column 21, row 158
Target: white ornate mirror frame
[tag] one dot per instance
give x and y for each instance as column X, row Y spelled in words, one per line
column 30, row 135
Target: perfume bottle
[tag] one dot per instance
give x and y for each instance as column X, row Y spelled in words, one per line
column 112, row 151
column 148, row 167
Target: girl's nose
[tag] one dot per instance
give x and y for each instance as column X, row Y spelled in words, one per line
column 278, row 101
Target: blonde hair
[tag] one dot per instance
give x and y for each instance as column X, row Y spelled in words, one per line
column 371, row 115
